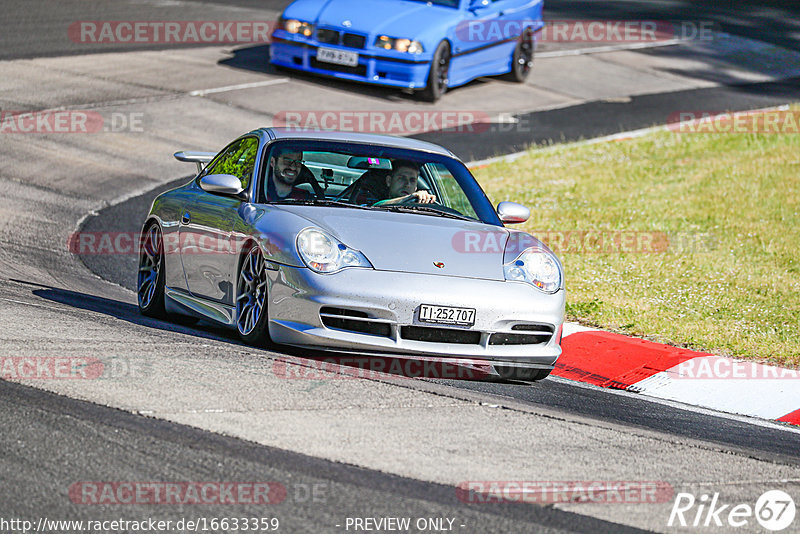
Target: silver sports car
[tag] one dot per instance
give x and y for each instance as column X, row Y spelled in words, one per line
column 353, row 243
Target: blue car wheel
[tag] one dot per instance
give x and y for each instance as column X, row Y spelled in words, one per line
column 522, row 58
column 438, row 77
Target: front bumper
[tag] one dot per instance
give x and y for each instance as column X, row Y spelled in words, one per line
column 391, row 300
column 373, row 67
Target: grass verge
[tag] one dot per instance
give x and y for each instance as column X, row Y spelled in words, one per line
column 686, row 239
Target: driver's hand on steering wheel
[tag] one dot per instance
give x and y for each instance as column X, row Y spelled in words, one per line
column 422, row 197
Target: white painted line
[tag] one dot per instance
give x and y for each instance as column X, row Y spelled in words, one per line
column 33, row 304
column 757, row 421
column 725, row 384
column 631, row 134
column 509, row 158
column 239, row 87
column 573, row 328
column 608, row 48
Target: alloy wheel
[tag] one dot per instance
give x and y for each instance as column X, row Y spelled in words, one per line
column 251, row 294
column 151, row 260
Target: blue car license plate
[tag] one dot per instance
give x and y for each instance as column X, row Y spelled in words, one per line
column 337, row 57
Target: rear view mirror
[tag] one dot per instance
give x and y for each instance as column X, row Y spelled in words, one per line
column 358, row 162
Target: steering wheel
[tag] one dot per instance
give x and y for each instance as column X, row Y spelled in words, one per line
column 436, row 205
column 415, row 200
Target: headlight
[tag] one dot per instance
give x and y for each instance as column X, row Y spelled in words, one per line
column 536, row 267
column 401, row 45
column 325, row 254
column 298, row 26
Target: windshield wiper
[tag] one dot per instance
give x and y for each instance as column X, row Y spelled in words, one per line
column 417, row 208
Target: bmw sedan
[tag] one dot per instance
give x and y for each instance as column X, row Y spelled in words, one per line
column 417, row 45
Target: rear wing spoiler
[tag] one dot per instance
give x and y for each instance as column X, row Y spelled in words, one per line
column 200, row 158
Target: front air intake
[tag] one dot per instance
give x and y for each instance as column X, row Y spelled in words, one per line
column 535, row 334
column 353, row 321
column 440, row 335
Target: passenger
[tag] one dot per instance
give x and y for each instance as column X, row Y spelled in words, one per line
column 402, row 184
column 286, row 167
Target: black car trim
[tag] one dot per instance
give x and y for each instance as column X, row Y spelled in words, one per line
column 484, row 47
column 361, row 54
column 496, row 43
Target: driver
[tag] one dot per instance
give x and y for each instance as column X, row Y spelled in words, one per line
column 286, row 166
column 402, row 184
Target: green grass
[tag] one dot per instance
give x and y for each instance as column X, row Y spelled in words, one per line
column 729, row 281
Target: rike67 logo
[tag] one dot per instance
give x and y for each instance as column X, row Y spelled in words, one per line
column 774, row 510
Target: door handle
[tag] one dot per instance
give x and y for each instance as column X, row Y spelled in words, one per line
column 186, row 218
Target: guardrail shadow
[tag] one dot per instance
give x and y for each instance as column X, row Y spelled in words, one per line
column 772, row 21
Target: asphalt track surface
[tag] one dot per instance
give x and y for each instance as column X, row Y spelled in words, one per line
column 110, row 444
column 560, row 395
column 51, row 441
column 597, row 119
column 35, row 29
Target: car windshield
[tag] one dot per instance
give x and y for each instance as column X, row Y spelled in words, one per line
column 362, row 176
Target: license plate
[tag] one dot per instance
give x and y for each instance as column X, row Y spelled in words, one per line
column 338, row 57
column 429, row 313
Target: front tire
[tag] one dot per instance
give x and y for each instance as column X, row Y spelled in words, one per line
column 438, row 77
column 251, row 298
column 522, row 58
column 150, row 281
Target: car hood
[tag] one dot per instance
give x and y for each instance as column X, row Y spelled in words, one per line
column 412, row 243
column 390, row 17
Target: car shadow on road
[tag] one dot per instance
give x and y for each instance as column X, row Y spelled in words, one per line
column 256, row 59
column 129, row 313
column 291, row 362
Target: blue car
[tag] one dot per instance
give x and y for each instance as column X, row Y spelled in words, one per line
column 422, row 46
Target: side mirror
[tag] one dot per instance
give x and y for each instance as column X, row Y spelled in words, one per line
column 512, row 213
column 475, row 5
column 223, row 184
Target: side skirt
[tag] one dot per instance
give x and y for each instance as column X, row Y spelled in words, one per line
column 177, row 301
